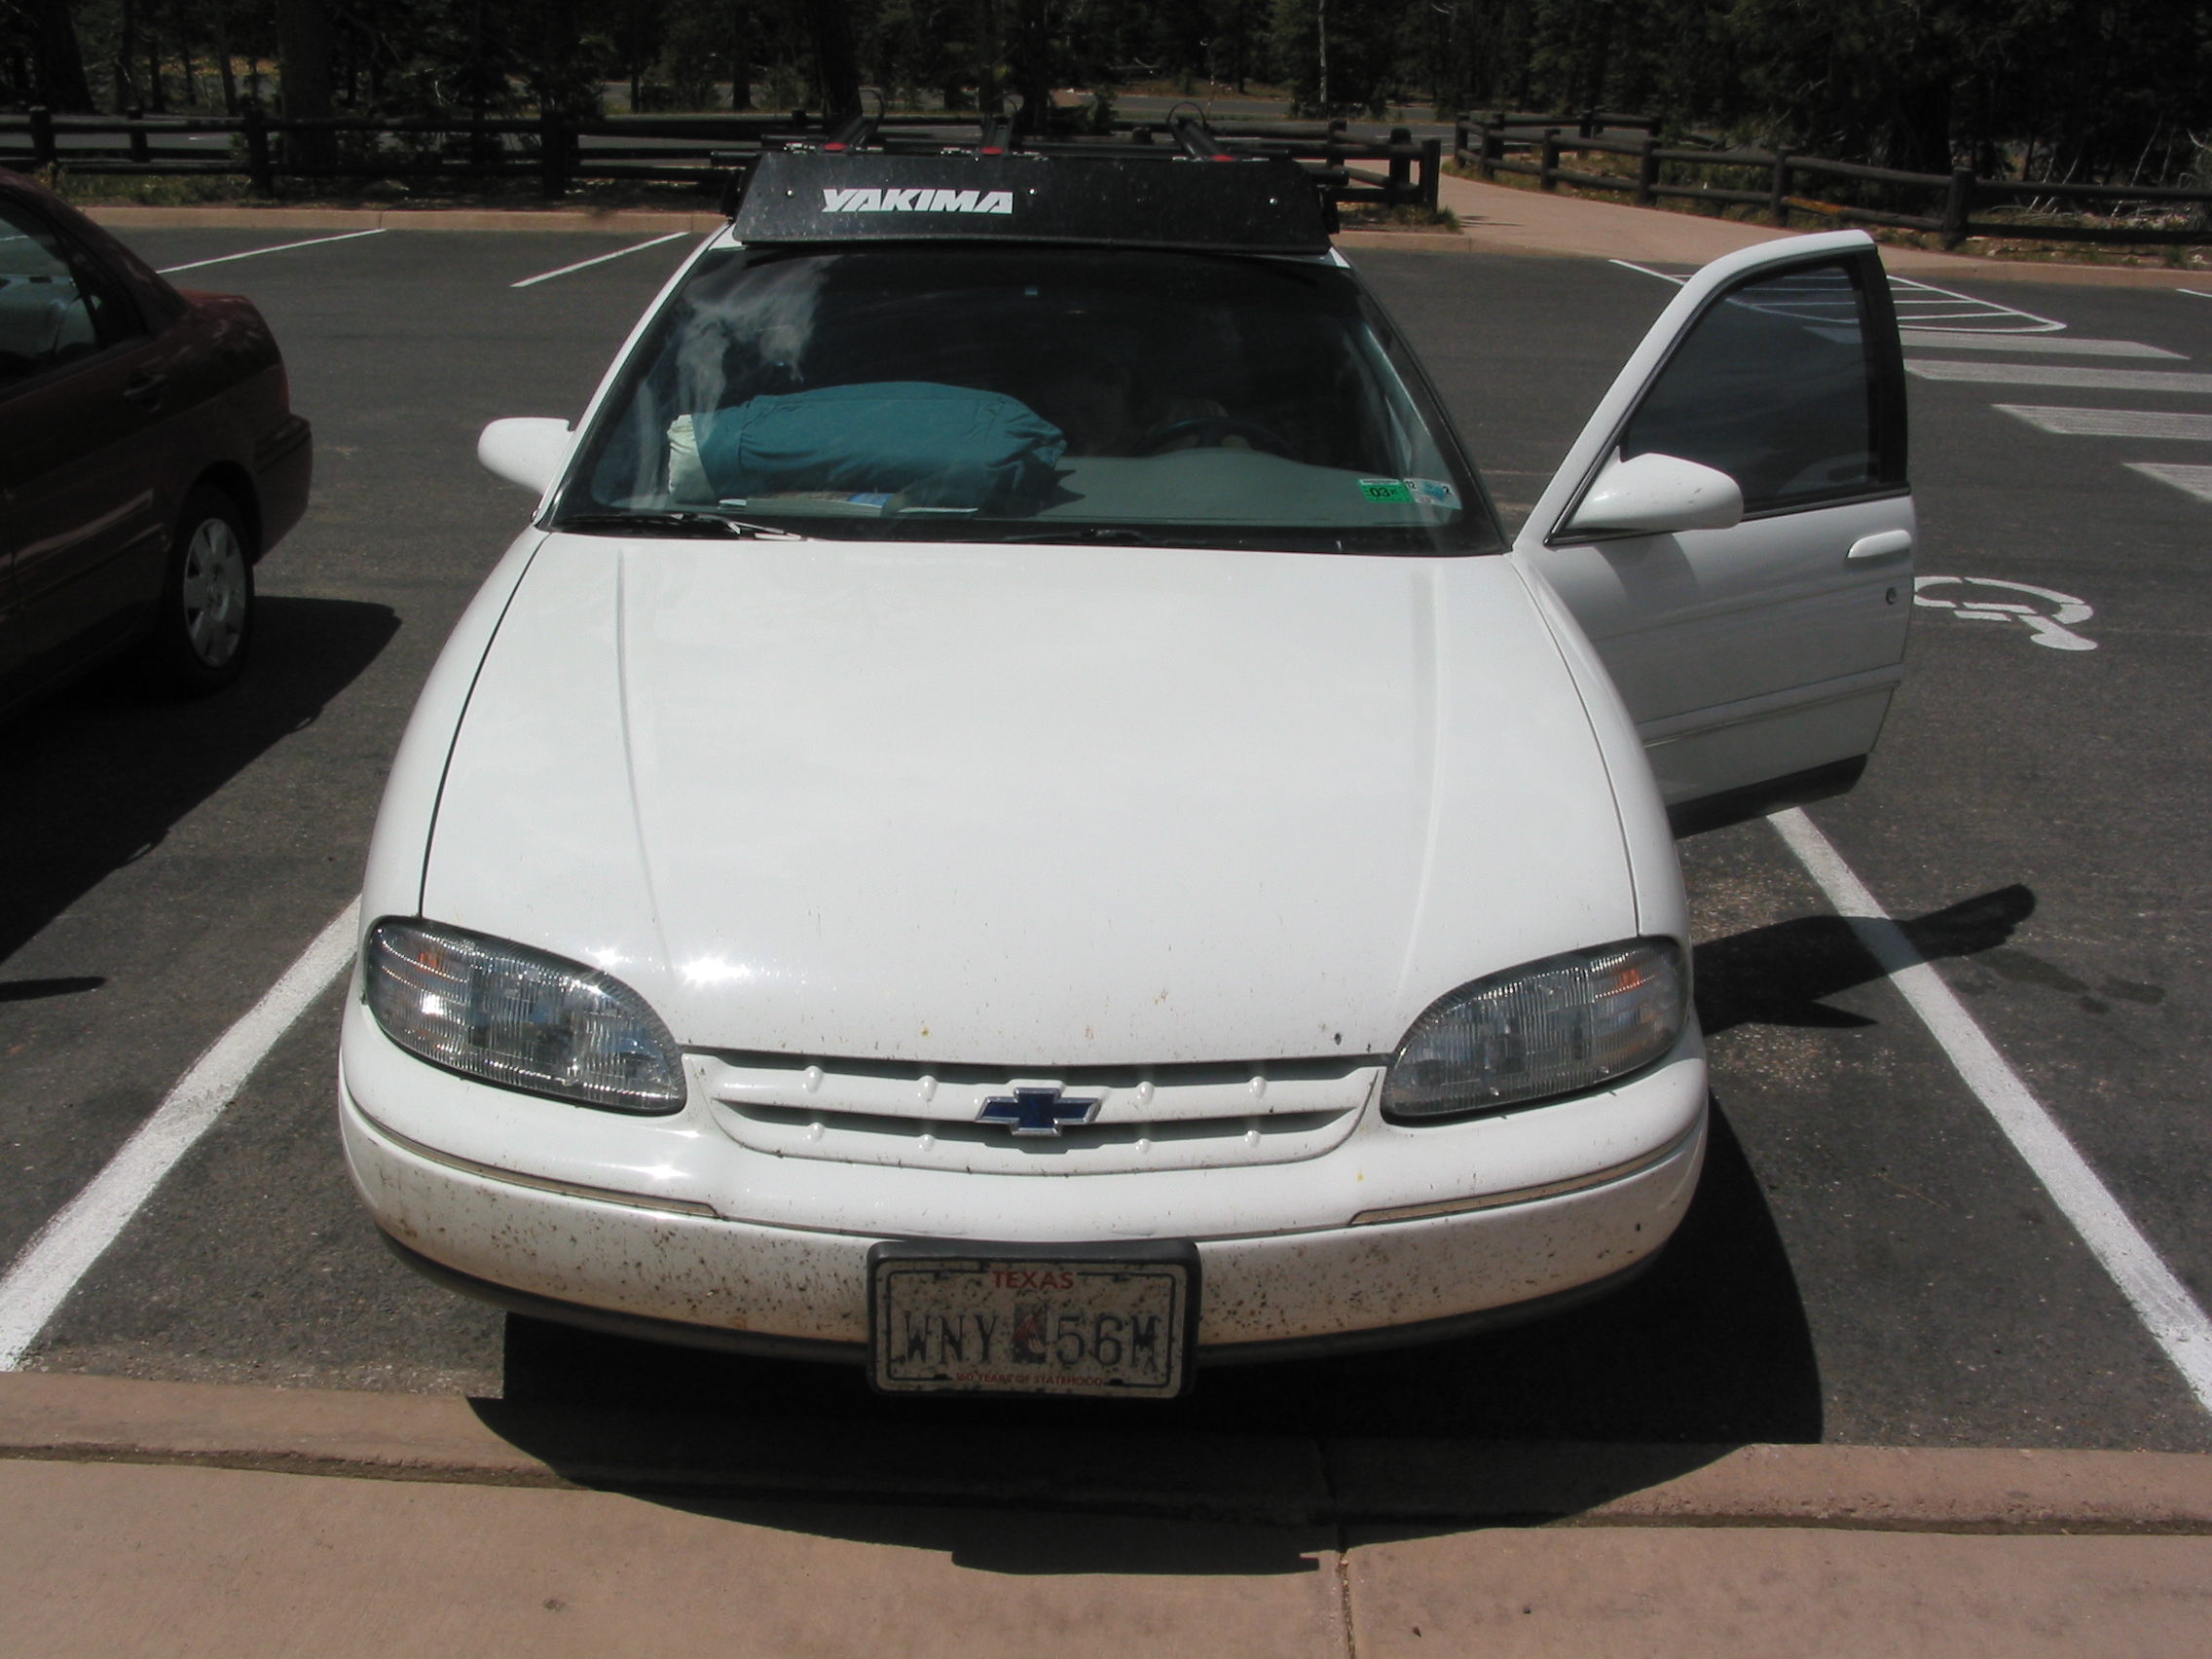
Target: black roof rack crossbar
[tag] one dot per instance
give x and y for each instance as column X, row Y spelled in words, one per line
column 1197, row 138
column 855, row 132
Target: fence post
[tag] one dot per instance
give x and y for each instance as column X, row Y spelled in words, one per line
column 1646, row 171
column 1431, row 171
column 257, row 167
column 1401, row 164
column 1548, row 179
column 1957, row 204
column 43, row 151
column 1493, row 148
column 138, row 149
column 1778, row 193
column 553, row 152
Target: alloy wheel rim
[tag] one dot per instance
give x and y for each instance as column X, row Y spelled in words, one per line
column 214, row 593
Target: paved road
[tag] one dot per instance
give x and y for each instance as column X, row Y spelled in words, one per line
column 1867, row 1261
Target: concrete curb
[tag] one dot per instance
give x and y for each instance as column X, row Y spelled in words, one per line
column 1283, row 1481
column 625, row 221
column 1592, row 237
column 1415, row 242
column 608, row 222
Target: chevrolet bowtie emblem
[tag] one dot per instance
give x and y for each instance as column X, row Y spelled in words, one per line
column 1036, row 1111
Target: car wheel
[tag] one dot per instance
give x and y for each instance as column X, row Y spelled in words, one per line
column 204, row 622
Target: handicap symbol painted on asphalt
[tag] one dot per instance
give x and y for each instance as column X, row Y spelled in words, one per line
column 2049, row 619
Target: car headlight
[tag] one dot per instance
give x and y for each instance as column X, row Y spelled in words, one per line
column 1535, row 1032
column 520, row 1019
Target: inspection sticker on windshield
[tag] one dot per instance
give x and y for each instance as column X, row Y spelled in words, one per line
column 1386, row 490
column 1060, row 1322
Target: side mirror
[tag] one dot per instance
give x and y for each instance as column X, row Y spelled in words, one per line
column 1659, row 492
column 529, row 451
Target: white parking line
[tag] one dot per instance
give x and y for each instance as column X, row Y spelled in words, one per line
column 1954, row 340
column 1924, row 303
column 2160, row 1299
column 65, row 1249
column 2111, row 423
column 2060, row 374
column 2194, row 480
column 281, row 248
column 586, row 264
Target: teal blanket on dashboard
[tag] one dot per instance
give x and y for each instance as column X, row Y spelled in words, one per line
column 944, row 446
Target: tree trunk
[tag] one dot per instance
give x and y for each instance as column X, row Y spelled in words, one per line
column 836, row 66
column 1321, row 41
column 740, row 59
column 57, row 62
column 184, row 57
column 222, row 29
column 303, row 52
column 126, row 43
column 1032, row 66
column 155, row 97
column 988, row 88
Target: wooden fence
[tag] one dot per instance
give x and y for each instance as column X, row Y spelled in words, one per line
column 1490, row 145
column 557, row 152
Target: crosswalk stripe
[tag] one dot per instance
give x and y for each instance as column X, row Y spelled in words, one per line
column 2193, row 480
column 2111, row 423
column 1958, row 339
column 2060, row 374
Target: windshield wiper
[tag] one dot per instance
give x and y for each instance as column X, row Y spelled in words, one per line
column 1093, row 532
column 671, row 524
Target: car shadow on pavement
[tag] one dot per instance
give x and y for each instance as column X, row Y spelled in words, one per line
column 103, row 769
column 1709, row 1346
column 1708, row 1351
column 1780, row 974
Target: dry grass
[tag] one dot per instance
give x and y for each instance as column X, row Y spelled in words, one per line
column 1375, row 216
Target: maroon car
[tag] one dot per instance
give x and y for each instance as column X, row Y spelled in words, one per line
column 148, row 457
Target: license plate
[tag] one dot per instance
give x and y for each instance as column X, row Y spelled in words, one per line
column 1110, row 1320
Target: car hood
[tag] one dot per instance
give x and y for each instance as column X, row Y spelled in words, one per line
column 1027, row 806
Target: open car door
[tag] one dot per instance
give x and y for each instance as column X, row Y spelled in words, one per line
column 1750, row 595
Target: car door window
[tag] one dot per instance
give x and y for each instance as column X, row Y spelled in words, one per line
column 53, row 308
column 1777, row 385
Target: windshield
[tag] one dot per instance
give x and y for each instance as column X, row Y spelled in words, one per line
column 1029, row 395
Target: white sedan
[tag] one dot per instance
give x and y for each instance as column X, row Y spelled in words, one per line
column 1014, row 819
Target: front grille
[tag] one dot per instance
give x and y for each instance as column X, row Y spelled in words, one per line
column 1169, row 1117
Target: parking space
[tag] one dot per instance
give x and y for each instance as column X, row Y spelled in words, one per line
column 1868, row 1260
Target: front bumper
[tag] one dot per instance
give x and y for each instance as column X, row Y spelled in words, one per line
column 675, row 1266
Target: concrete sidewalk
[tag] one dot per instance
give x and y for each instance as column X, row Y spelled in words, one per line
column 1498, row 218
column 148, row 1518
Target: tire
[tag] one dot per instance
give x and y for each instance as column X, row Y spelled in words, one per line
column 203, row 621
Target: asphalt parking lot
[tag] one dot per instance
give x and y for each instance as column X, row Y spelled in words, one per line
column 1868, row 1259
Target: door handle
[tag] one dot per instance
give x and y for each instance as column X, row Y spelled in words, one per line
column 1887, row 544
column 145, row 390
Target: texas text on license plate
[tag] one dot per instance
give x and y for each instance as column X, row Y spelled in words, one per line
column 1108, row 1319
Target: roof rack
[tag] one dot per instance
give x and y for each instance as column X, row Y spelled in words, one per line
column 1103, row 197
column 1324, row 153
